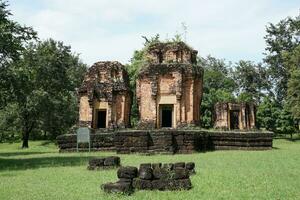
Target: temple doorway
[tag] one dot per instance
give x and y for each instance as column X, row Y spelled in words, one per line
column 234, row 119
column 166, row 115
column 101, row 119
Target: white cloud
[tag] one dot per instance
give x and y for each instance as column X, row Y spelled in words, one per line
column 112, row 29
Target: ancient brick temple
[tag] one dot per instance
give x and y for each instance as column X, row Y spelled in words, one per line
column 169, row 87
column 105, row 97
column 232, row 116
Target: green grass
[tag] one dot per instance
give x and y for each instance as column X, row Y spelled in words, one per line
column 42, row 173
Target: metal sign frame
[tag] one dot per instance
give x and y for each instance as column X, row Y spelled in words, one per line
column 83, row 136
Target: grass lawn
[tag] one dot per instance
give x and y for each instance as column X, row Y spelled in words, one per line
column 40, row 172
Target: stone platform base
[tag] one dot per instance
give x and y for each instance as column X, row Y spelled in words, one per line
column 171, row 141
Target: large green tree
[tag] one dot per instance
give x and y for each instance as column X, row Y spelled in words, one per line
column 45, row 80
column 13, row 39
column 292, row 62
column 281, row 37
column 293, row 98
column 252, row 81
column 285, row 123
column 219, row 86
column 268, row 113
column 13, row 36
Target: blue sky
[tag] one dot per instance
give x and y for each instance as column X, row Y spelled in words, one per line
column 112, row 29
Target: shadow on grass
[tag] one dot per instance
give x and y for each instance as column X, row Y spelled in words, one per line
column 9, row 154
column 48, row 142
column 293, row 139
column 33, row 163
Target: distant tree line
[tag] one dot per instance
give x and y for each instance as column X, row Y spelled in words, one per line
column 39, row 78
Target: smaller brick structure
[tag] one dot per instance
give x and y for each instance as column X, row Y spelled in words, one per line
column 230, row 116
column 104, row 163
column 105, row 97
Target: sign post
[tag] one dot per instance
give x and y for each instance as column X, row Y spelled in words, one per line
column 83, row 136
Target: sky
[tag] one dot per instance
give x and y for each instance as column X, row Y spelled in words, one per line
column 112, row 29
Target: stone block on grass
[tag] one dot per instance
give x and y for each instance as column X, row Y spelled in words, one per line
column 179, row 165
column 112, row 161
column 127, row 172
column 104, row 163
column 181, row 184
column 156, row 165
column 168, row 166
column 145, row 173
column 141, row 184
column 118, row 187
column 190, row 166
column 181, row 173
column 161, row 173
column 145, row 165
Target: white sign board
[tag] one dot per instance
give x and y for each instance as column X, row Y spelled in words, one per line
column 83, row 136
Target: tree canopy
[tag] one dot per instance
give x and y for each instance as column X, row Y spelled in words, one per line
column 13, row 40
column 43, row 93
column 38, row 81
column 281, row 37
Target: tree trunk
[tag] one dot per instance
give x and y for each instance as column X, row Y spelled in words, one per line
column 25, row 139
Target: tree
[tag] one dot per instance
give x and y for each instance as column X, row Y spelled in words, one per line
column 293, row 98
column 13, row 36
column 252, row 81
column 268, row 113
column 136, row 62
column 281, row 37
column 218, row 87
column 292, row 62
column 45, row 80
column 13, row 39
column 59, row 73
column 285, row 121
column 9, row 123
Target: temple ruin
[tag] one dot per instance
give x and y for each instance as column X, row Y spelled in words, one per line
column 169, row 89
column 105, row 97
column 169, row 86
column 230, row 116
